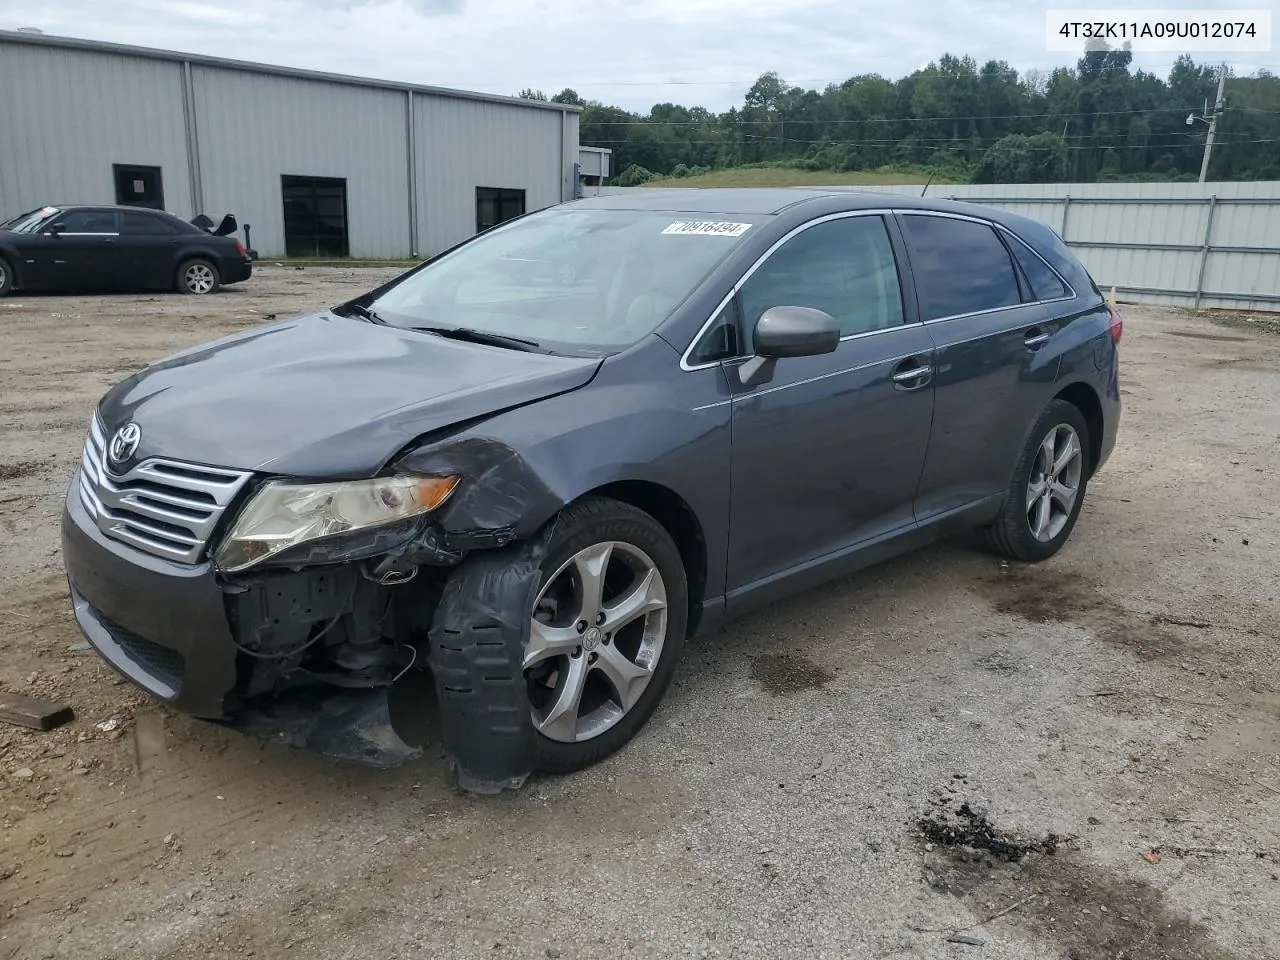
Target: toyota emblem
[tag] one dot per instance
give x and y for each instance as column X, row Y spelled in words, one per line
column 124, row 444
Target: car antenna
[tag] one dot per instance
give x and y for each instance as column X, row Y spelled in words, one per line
column 926, row 185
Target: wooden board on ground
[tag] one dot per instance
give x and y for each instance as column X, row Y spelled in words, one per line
column 33, row 713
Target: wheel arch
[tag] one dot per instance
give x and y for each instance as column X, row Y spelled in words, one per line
column 1085, row 399
column 678, row 519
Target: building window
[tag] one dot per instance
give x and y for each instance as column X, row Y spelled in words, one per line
column 138, row 186
column 494, row 205
column 315, row 216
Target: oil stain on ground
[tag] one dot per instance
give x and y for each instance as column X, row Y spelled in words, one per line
column 23, row 468
column 1044, row 886
column 1064, row 597
column 1216, row 337
column 782, row 674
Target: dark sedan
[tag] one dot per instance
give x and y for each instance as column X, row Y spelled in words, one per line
column 537, row 488
column 81, row 248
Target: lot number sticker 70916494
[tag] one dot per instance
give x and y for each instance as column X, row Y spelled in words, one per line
column 707, row 228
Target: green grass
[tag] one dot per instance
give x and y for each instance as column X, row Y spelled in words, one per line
column 789, row 177
column 1257, row 322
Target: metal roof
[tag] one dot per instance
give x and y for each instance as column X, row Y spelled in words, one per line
column 152, row 53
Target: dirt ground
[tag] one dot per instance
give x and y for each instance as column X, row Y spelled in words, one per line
column 1107, row 721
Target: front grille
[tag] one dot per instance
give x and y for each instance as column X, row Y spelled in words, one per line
column 160, row 662
column 164, row 507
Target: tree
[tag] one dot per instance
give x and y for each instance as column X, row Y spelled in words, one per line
column 1097, row 118
column 1017, row 158
column 529, row 94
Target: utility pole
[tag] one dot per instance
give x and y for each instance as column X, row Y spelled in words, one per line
column 1218, row 106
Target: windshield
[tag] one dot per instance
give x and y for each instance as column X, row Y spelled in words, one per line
column 570, row 280
column 30, row 221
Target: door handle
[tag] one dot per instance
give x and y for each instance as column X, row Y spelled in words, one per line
column 911, row 373
column 1035, row 338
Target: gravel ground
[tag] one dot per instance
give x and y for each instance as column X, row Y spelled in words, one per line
column 1107, row 721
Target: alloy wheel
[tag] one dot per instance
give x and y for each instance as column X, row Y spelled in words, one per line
column 199, row 278
column 596, row 636
column 1054, row 484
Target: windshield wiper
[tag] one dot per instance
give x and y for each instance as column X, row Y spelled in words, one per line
column 361, row 310
column 481, row 336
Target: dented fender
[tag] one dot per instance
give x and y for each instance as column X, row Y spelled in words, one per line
column 519, row 468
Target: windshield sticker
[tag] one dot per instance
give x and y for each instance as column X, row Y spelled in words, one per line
column 707, row 228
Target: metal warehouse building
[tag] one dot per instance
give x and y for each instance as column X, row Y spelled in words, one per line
column 317, row 164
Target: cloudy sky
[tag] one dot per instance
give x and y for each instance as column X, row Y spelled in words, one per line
column 631, row 54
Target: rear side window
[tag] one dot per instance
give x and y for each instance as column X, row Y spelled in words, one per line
column 1045, row 284
column 145, row 225
column 960, row 266
column 844, row 267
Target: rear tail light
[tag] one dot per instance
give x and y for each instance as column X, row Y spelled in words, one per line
column 1117, row 323
column 240, row 247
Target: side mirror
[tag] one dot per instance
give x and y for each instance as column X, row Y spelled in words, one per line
column 788, row 332
column 56, row 229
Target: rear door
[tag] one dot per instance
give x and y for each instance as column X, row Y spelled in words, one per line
column 827, row 455
column 992, row 375
column 148, row 252
column 84, row 251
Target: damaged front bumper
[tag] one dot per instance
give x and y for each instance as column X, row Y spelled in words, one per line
column 188, row 640
column 311, row 657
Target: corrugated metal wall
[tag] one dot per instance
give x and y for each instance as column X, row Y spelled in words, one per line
column 67, row 115
column 457, row 151
column 255, row 128
column 1177, row 244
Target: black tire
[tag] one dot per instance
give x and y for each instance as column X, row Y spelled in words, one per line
column 1011, row 535
column 198, row 276
column 6, row 277
column 579, row 526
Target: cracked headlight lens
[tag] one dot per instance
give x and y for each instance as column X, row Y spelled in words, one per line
column 284, row 515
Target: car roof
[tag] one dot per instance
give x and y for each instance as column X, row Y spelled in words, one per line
column 766, row 200
column 67, row 207
column 775, row 200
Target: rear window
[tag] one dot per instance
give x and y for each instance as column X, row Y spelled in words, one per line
column 960, row 267
column 145, row 225
column 1045, row 284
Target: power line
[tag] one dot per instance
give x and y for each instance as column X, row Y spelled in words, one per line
column 964, row 141
column 714, row 118
column 1145, row 68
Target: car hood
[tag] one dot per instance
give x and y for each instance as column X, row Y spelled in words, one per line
column 324, row 396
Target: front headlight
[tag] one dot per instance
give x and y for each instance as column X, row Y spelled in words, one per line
column 282, row 515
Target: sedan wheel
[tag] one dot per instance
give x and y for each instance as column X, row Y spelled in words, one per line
column 6, row 278
column 199, row 277
column 606, row 633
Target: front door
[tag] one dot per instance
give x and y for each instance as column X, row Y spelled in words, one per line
column 993, row 375
column 83, row 250
column 827, row 455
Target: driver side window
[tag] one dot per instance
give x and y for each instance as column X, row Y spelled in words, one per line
column 88, row 221
column 844, row 267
